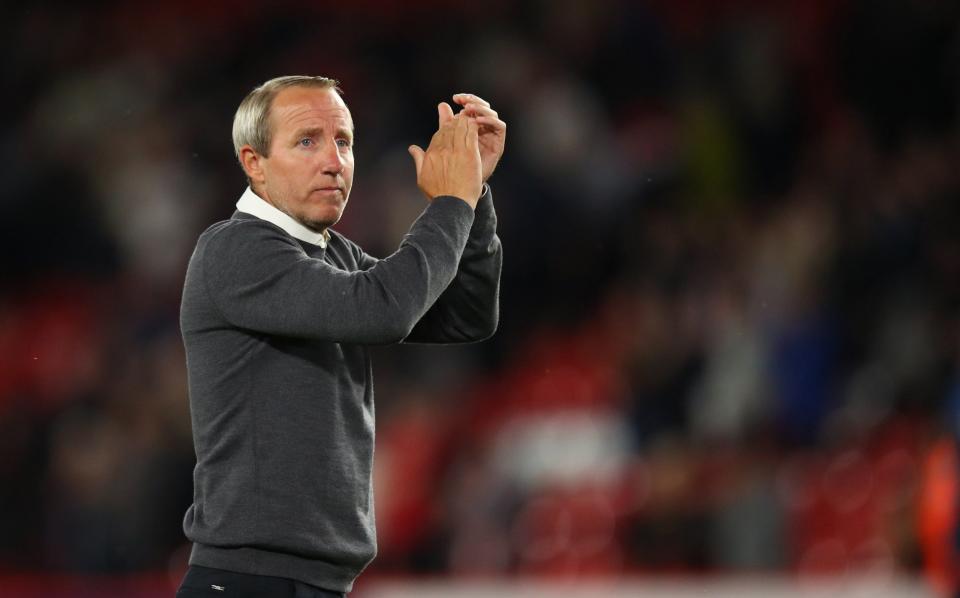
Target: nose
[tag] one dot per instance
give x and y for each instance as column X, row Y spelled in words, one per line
column 331, row 159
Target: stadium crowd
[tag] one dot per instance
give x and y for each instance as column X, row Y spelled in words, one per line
column 730, row 337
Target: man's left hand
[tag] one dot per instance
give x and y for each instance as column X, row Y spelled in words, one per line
column 493, row 131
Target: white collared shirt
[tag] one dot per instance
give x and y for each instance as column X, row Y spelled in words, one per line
column 253, row 204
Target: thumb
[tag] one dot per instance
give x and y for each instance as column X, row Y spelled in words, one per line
column 416, row 152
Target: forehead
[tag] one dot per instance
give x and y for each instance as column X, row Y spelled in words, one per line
column 298, row 107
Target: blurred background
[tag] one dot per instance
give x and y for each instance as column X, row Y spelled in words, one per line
column 730, row 336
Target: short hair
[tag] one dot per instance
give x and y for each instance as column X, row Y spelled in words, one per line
column 251, row 123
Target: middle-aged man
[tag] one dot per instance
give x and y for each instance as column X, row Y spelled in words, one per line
column 278, row 309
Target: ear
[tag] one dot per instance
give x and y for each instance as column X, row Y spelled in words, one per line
column 252, row 163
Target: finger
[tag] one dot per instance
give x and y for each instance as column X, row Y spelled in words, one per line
column 445, row 134
column 473, row 135
column 458, row 133
column 464, row 98
column 460, row 125
column 442, row 137
column 475, row 109
column 444, row 112
column 416, row 152
column 448, row 120
column 493, row 123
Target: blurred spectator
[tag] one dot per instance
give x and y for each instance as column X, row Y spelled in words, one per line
column 729, row 318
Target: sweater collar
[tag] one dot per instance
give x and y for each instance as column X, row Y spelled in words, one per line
column 253, row 204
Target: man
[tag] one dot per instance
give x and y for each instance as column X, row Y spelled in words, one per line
column 277, row 311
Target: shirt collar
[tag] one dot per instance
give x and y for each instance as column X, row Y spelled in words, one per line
column 253, row 204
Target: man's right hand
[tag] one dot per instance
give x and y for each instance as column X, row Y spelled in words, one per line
column 451, row 165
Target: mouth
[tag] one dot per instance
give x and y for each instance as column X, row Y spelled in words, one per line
column 329, row 190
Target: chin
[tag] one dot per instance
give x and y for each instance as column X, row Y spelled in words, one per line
column 319, row 223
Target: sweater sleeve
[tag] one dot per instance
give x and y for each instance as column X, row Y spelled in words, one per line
column 468, row 310
column 261, row 279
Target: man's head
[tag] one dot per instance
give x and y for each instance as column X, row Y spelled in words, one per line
column 293, row 137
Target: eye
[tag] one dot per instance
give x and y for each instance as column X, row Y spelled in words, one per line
column 343, row 142
column 305, row 142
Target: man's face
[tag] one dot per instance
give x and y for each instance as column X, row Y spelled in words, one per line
column 310, row 169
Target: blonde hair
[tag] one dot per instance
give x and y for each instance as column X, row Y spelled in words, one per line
column 251, row 123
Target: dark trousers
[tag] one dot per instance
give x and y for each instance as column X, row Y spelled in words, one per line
column 217, row 583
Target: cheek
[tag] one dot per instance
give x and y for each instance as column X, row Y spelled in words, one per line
column 348, row 171
column 297, row 177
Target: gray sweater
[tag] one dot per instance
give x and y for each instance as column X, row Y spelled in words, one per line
column 281, row 387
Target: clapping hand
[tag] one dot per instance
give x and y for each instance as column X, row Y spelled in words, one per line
column 492, row 134
column 451, row 164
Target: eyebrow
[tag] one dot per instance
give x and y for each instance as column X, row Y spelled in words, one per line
column 314, row 131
